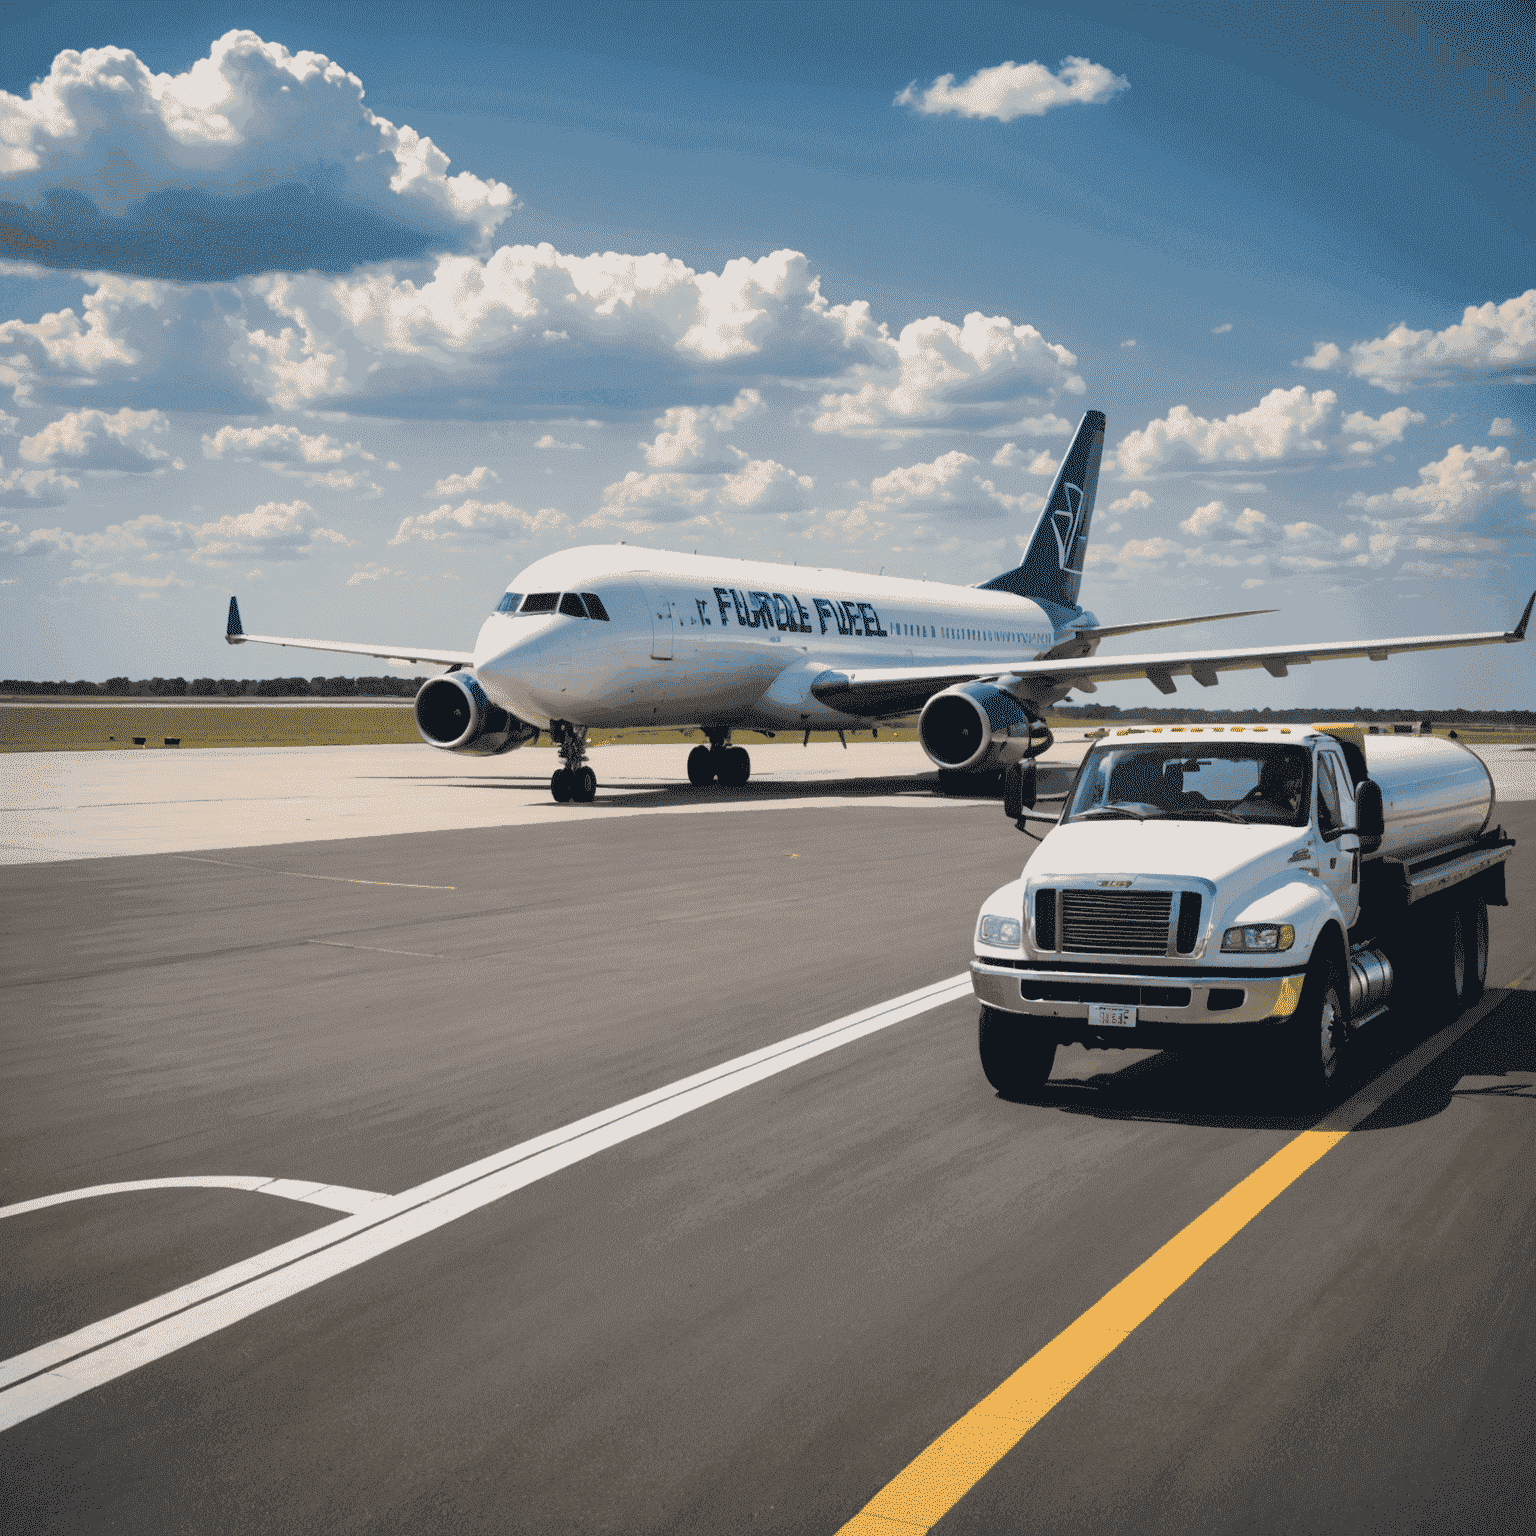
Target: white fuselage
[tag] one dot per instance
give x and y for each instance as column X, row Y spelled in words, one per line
column 700, row 640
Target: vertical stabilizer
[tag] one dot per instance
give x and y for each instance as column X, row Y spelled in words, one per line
column 1052, row 568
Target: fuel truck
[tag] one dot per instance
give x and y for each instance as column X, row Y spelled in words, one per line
column 1272, row 886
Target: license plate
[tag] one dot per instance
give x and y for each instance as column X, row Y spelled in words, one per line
column 1111, row 1016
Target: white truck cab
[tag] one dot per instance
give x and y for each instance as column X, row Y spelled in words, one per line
column 1246, row 883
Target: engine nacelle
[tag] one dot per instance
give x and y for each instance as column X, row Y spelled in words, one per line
column 977, row 727
column 453, row 712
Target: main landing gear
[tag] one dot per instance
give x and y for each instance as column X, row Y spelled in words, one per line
column 576, row 780
column 731, row 766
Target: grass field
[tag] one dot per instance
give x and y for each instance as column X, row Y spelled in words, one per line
column 109, row 728
column 112, row 728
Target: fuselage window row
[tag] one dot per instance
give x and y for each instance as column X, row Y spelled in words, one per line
column 582, row 605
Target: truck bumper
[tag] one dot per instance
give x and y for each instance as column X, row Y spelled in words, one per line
column 1167, row 1007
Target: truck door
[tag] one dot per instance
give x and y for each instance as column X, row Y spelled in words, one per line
column 1339, row 850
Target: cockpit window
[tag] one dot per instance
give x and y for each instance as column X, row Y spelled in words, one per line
column 509, row 602
column 540, row 602
column 1205, row 781
column 595, row 606
column 572, row 605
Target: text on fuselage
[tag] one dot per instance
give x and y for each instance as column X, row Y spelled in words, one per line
column 777, row 610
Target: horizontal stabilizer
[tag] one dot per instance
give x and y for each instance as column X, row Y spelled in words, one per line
column 234, row 634
column 1109, row 631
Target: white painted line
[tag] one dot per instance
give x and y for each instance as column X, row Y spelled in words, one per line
column 261, row 869
column 52, row 1373
column 335, row 1197
column 373, row 949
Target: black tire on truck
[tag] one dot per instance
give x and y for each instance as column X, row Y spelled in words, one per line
column 1474, row 927
column 1313, row 1045
column 1446, row 959
column 1015, row 1055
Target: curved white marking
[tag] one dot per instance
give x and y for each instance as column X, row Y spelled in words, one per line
column 334, row 1197
column 52, row 1373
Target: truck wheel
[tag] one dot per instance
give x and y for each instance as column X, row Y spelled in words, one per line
column 1474, row 929
column 1316, row 1034
column 1446, row 960
column 1014, row 1055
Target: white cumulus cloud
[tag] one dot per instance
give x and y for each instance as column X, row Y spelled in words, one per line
column 1501, row 426
column 640, row 501
column 1489, row 342
column 1009, row 90
column 276, row 530
column 527, row 330
column 316, row 460
column 93, row 440
column 1378, row 432
column 1458, row 487
column 461, row 485
column 1276, row 428
column 255, row 159
column 477, row 519
column 977, row 375
column 689, row 433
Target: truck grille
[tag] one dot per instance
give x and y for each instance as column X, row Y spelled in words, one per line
column 1115, row 922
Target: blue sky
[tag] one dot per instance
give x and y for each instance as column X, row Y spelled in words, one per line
column 818, row 283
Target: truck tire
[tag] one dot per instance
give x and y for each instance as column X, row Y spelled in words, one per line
column 1315, row 1036
column 1447, row 964
column 1474, row 921
column 1015, row 1056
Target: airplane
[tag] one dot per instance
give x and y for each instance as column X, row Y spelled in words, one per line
column 616, row 635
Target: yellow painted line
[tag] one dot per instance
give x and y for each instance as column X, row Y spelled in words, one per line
column 929, row 1487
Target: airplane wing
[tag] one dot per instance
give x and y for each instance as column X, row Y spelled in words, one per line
column 235, row 634
column 878, row 691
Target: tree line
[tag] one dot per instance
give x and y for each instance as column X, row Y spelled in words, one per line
column 1301, row 716
column 224, row 687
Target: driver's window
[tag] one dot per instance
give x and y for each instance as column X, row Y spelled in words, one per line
column 1330, row 815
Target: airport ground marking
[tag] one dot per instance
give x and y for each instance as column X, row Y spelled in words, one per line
column 334, row 1197
column 262, row 869
column 930, row 1485
column 52, row 1373
column 374, row 949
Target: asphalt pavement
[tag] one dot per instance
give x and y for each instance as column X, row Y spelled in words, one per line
column 751, row 1315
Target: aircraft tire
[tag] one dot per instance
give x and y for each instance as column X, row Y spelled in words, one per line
column 560, row 785
column 701, row 767
column 583, row 786
column 735, row 767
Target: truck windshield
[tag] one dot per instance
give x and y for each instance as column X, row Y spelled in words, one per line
column 1184, row 781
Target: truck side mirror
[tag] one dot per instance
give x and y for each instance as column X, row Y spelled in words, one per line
column 1020, row 790
column 1370, row 816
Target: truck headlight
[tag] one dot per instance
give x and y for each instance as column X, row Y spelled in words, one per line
column 1000, row 932
column 1258, row 938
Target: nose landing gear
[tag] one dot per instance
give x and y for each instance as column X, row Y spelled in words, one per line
column 576, row 780
column 731, row 766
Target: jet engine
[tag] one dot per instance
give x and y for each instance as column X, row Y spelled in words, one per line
column 453, row 712
column 978, row 728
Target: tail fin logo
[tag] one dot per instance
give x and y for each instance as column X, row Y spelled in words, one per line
column 1065, row 523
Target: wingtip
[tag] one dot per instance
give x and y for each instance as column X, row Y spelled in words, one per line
column 1518, row 632
column 233, row 631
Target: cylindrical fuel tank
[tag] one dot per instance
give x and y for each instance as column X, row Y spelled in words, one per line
column 1434, row 793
